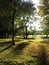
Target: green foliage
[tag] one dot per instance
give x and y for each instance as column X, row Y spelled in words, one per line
column 44, row 12
column 7, row 8
column 44, row 7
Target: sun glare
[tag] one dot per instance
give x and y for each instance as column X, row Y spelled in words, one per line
column 36, row 1
column 37, row 25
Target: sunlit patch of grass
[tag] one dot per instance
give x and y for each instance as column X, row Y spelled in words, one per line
column 5, row 40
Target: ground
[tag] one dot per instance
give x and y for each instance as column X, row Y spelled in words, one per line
column 25, row 52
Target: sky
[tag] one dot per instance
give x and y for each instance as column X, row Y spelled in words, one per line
column 36, row 2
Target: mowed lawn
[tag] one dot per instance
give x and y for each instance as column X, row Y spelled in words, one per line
column 25, row 52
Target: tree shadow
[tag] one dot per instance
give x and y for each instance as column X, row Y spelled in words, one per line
column 19, row 48
column 5, row 45
column 42, row 59
column 18, row 40
column 46, row 41
column 45, row 37
column 12, row 63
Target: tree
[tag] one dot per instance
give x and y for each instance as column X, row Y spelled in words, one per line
column 27, row 9
column 13, row 8
column 44, row 12
column 43, row 7
column 45, row 25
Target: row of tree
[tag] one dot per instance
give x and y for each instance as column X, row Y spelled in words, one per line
column 12, row 11
column 14, row 15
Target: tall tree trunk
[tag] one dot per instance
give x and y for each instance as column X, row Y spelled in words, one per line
column 13, row 28
column 14, row 11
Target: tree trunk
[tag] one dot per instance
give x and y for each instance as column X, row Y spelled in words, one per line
column 26, row 32
column 13, row 28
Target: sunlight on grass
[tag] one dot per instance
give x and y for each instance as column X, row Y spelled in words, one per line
column 5, row 40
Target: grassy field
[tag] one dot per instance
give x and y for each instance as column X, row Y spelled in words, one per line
column 25, row 52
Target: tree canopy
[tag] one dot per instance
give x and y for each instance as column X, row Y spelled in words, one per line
column 44, row 12
column 7, row 9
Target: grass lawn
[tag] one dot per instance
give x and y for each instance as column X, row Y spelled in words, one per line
column 25, row 52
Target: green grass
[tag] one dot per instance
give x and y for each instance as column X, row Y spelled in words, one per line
column 5, row 40
column 24, row 52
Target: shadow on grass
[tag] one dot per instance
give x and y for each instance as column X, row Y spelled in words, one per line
column 16, row 63
column 45, row 41
column 11, row 63
column 19, row 48
column 45, row 37
column 9, row 42
column 5, row 45
column 18, row 40
column 42, row 59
